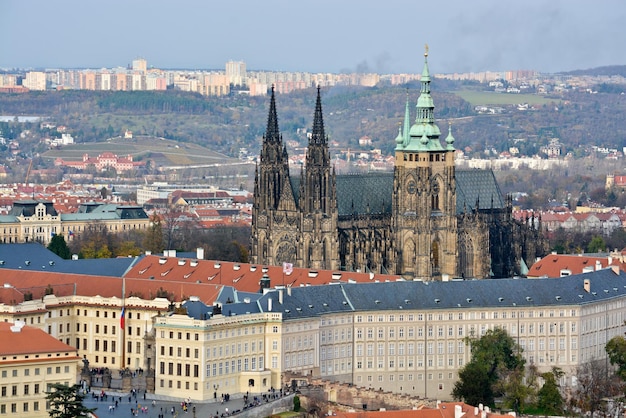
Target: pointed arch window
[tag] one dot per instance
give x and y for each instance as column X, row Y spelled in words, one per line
column 434, row 256
column 466, row 257
column 434, row 197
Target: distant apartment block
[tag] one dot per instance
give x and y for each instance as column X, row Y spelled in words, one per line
column 140, row 65
column 138, row 76
column 236, row 72
column 35, row 80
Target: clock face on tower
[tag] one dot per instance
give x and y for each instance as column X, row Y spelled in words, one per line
column 410, row 187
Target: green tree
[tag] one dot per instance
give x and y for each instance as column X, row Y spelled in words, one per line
column 66, row 402
column 94, row 242
column 154, row 236
column 550, row 400
column 616, row 349
column 296, row 403
column 495, row 362
column 596, row 245
column 59, row 247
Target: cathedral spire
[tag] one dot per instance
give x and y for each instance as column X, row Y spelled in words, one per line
column 273, row 168
column 271, row 133
column 424, row 126
column 319, row 181
column 425, row 105
column 318, row 136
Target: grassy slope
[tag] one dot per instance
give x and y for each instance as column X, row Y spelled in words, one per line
column 500, row 99
column 164, row 152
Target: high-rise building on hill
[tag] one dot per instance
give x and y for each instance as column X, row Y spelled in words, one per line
column 426, row 220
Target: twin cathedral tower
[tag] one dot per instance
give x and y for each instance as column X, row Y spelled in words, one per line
column 426, row 220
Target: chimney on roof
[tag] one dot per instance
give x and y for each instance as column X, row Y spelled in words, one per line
column 17, row 326
column 269, row 304
column 280, row 296
column 598, row 265
column 265, row 283
column 587, row 285
column 458, row 411
column 200, row 253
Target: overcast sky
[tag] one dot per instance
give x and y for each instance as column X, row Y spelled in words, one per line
column 383, row 36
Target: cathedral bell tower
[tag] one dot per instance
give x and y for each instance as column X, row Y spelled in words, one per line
column 424, row 217
column 318, row 200
column 274, row 212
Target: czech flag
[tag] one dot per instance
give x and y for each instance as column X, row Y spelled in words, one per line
column 122, row 317
column 287, row 268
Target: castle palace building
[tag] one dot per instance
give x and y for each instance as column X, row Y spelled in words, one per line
column 425, row 221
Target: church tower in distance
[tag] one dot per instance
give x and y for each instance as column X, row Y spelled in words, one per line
column 424, row 218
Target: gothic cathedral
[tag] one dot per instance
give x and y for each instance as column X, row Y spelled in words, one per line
column 425, row 221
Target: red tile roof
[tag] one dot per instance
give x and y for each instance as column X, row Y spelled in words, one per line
column 444, row 410
column 552, row 265
column 30, row 340
column 242, row 276
column 18, row 282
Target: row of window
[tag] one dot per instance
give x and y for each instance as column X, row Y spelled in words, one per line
column 14, row 408
column 105, row 314
column 450, row 316
column 36, row 371
column 237, row 366
column 410, row 332
column 410, row 363
column 242, row 348
column 178, row 384
column 181, row 369
column 26, row 390
column 179, row 352
column 400, row 377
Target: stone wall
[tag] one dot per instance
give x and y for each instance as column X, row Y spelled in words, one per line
column 322, row 392
column 266, row 410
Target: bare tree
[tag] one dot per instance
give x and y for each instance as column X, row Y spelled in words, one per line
column 595, row 383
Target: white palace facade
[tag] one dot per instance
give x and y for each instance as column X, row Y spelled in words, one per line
column 401, row 336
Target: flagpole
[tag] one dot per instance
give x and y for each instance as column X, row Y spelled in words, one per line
column 123, row 322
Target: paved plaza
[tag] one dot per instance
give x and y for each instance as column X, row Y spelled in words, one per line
column 147, row 405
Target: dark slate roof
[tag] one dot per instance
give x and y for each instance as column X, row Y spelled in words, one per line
column 310, row 301
column 27, row 208
column 307, row 301
column 197, row 309
column 36, row 257
column 372, row 193
column 107, row 212
column 364, row 193
column 477, row 184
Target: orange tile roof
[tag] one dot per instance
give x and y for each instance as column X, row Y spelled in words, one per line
column 30, row 340
column 242, row 276
column 444, row 410
column 551, row 265
column 64, row 284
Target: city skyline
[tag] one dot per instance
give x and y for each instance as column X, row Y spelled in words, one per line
column 326, row 36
